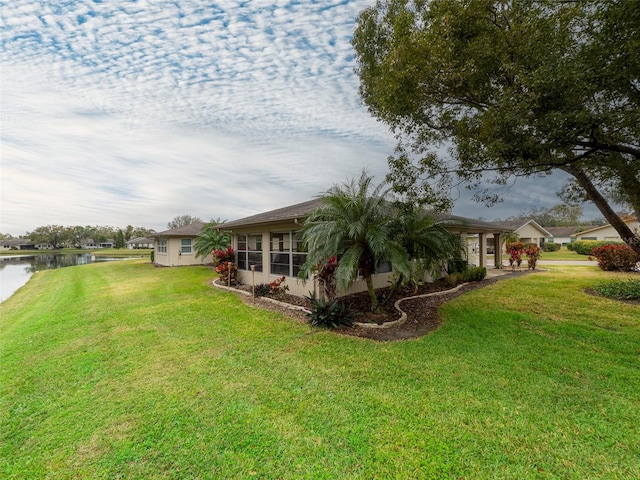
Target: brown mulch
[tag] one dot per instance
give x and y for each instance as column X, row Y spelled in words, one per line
column 422, row 312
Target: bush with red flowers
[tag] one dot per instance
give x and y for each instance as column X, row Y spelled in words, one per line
column 616, row 258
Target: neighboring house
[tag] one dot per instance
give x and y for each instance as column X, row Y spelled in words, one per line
column 607, row 232
column 529, row 231
column 140, row 242
column 561, row 235
column 23, row 244
column 269, row 242
column 91, row 244
column 175, row 247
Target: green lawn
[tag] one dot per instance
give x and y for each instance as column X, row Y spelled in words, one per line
column 124, row 370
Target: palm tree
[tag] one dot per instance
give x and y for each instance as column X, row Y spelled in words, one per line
column 356, row 225
column 211, row 238
column 426, row 240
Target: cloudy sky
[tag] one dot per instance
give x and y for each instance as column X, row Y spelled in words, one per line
column 117, row 112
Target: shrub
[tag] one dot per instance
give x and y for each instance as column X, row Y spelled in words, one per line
column 551, row 247
column 329, row 313
column 452, row 279
column 616, row 257
column 475, row 274
column 277, row 288
column 153, row 257
column 532, row 251
column 585, row 247
column 262, row 289
column 515, row 253
column 620, row 289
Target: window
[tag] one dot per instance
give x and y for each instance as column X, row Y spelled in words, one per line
column 162, row 245
column 185, row 246
column 286, row 253
column 249, row 252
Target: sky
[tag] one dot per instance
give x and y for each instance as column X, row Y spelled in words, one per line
column 133, row 112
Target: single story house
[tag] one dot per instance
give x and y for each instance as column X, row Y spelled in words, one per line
column 140, row 242
column 529, row 231
column 561, row 235
column 23, row 244
column 175, row 247
column 269, row 243
column 607, row 232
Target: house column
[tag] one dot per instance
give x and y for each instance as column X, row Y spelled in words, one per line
column 465, row 244
column 483, row 249
column 497, row 248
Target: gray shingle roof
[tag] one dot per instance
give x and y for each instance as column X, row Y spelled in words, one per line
column 300, row 210
column 192, row 230
column 291, row 212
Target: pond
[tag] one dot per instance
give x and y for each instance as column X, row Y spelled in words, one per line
column 15, row 270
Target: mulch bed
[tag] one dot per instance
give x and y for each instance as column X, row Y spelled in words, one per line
column 422, row 312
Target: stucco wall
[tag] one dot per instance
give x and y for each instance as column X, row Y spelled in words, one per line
column 606, row 232
column 173, row 257
column 296, row 286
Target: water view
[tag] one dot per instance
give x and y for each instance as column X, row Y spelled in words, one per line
column 16, row 270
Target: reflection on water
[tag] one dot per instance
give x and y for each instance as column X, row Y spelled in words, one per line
column 15, row 271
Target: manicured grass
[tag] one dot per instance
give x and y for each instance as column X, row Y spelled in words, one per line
column 563, row 254
column 123, row 370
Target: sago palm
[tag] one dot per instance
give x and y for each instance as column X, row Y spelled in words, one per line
column 355, row 223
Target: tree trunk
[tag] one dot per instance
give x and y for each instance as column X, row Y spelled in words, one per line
column 599, row 201
column 372, row 294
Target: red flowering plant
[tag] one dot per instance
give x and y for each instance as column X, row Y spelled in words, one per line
column 326, row 275
column 277, row 287
column 223, row 260
column 515, row 254
column 616, row 258
column 532, row 251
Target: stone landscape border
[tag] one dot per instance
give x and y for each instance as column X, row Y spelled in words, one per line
column 396, row 305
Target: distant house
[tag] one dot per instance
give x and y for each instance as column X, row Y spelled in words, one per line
column 91, row 244
column 561, row 235
column 529, row 231
column 175, row 247
column 24, row 244
column 140, row 242
column 269, row 243
column 607, row 232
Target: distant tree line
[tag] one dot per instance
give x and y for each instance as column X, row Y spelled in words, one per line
column 59, row 236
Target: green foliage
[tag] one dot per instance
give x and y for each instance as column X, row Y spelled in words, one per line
column 354, row 223
column 518, row 88
column 551, row 247
column 119, row 241
column 153, row 256
column 619, row 289
column 620, row 258
column 210, row 239
column 329, row 313
column 181, row 221
column 585, row 247
column 262, row 289
column 472, row 274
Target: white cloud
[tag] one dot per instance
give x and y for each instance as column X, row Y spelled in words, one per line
column 133, row 112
